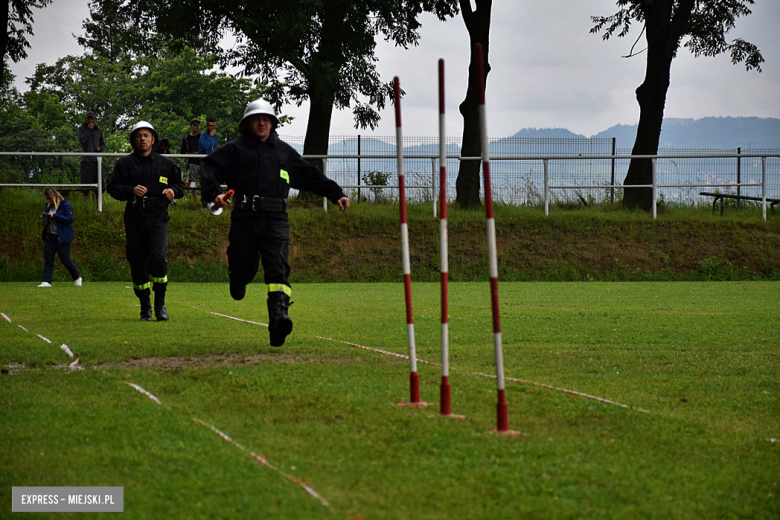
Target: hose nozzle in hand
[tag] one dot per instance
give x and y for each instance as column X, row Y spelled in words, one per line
column 220, row 202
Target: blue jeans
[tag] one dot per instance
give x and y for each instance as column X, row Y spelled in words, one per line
column 51, row 245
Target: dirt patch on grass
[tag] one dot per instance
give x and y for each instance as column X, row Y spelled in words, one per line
column 202, row 362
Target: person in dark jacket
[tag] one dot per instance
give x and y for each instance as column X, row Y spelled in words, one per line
column 91, row 139
column 148, row 182
column 190, row 145
column 163, row 147
column 261, row 169
column 57, row 236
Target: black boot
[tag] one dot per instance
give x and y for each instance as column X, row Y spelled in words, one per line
column 237, row 291
column 146, row 304
column 159, row 306
column 279, row 323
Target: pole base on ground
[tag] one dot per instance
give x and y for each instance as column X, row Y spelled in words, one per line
column 419, row 404
column 444, row 398
column 505, row 432
column 502, row 410
column 414, row 387
column 414, row 401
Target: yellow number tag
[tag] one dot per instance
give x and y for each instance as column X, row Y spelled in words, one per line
column 284, row 175
column 164, row 180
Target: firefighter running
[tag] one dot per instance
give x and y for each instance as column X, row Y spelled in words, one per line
column 148, row 182
column 261, row 169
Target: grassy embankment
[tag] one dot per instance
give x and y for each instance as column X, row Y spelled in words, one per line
column 595, row 243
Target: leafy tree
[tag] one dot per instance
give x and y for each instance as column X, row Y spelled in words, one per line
column 166, row 92
column 478, row 25
column 320, row 50
column 182, row 86
column 16, row 17
column 700, row 26
column 111, row 32
column 90, row 82
column 39, row 123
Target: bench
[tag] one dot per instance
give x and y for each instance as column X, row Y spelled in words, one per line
column 721, row 196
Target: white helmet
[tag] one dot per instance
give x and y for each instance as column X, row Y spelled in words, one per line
column 258, row 106
column 143, row 124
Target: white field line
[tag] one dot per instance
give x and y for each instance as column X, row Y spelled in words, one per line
column 570, row 392
column 147, row 394
column 262, row 460
column 73, row 366
column 234, row 318
column 521, row 381
column 402, row 356
column 259, row 458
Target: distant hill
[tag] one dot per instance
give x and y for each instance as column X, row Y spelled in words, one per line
column 705, row 133
column 548, row 132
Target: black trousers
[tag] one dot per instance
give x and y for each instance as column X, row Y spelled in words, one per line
column 52, row 246
column 253, row 239
column 89, row 175
column 147, row 247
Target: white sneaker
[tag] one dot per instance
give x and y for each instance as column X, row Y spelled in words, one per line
column 45, row 284
column 77, row 283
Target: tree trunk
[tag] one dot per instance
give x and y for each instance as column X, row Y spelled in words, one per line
column 4, row 14
column 664, row 27
column 478, row 25
column 651, row 96
column 317, row 131
column 467, row 183
column 322, row 76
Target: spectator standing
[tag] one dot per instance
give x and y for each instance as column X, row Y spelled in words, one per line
column 164, row 147
column 57, row 236
column 190, row 145
column 91, row 139
column 208, row 139
column 148, row 182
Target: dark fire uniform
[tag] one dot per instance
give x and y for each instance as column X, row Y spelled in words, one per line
column 146, row 219
column 261, row 174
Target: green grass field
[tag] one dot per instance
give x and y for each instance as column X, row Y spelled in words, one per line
column 702, row 358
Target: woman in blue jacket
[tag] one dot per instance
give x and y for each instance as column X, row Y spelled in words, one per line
column 57, row 236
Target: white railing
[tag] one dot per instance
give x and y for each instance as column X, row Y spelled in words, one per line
column 98, row 185
column 654, row 185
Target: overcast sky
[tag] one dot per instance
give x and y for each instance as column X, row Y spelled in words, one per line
column 547, row 70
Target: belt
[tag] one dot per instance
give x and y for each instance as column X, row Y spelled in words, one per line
column 149, row 202
column 259, row 203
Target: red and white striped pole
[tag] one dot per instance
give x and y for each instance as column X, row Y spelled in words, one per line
column 502, row 408
column 444, row 395
column 414, row 377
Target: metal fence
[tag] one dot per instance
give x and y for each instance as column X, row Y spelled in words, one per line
column 728, row 173
column 514, row 182
column 521, row 181
column 590, row 169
